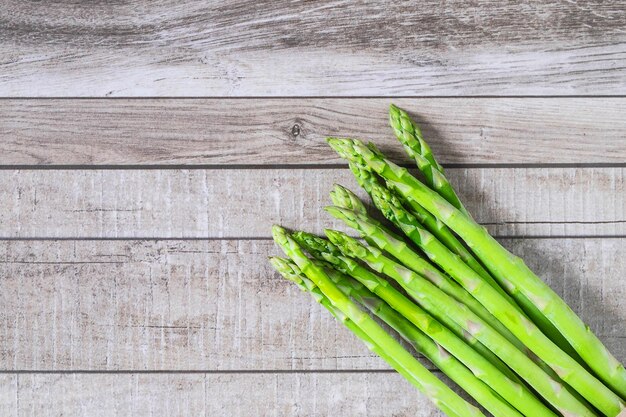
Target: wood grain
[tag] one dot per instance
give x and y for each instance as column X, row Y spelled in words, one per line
column 210, row 203
column 8, row 395
column 218, row 306
column 210, row 395
column 292, row 131
column 266, row 48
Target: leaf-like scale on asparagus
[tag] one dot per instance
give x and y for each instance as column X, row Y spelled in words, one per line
column 515, row 393
column 505, row 265
column 437, row 391
column 429, row 296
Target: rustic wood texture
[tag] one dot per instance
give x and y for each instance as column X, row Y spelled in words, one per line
column 145, row 291
column 246, row 202
column 292, row 131
column 214, row 395
column 218, row 305
column 304, row 48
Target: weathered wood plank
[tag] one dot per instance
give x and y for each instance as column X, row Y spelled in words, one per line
column 211, row 395
column 217, row 305
column 227, row 203
column 292, row 131
column 8, row 395
column 244, row 48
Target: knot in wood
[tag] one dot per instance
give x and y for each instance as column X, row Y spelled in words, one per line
column 295, row 130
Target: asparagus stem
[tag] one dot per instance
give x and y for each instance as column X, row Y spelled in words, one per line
column 409, row 134
column 323, row 249
column 438, row 253
column 369, row 182
column 377, row 236
column 429, row 296
column 429, row 384
column 291, row 272
column 314, row 245
column 508, row 267
column 447, row 363
column 510, row 389
column 393, row 210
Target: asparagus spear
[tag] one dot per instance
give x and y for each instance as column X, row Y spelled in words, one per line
column 343, row 197
column 322, row 249
column 380, row 238
column 410, row 135
column 429, row 296
column 509, row 388
column 291, row 272
column 425, row 381
column 420, row 342
column 512, row 269
column 447, row 363
column 394, row 211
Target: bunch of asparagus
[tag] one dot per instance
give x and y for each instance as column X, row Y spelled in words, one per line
column 459, row 298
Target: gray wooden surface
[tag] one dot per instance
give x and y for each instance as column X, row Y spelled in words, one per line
column 134, row 231
column 216, row 305
column 288, row 131
column 261, row 48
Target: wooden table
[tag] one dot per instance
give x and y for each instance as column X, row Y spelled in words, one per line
column 147, row 147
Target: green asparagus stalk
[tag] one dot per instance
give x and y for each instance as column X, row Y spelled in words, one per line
column 420, row 342
column 378, row 237
column 429, row 296
column 368, row 181
column 322, row 249
column 410, row 135
column 447, row 363
column 426, row 382
column 291, row 272
column 508, row 267
column 344, row 198
column 395, row 212
column 510, row 389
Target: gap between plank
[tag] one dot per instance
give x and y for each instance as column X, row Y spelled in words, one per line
column 268, row 238
column 320, row 97
column 198, row 371
column 294, row 166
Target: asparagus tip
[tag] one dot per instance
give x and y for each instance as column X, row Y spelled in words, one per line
column 337, row 142
column 276, row 262
column 334, row 235
column 346, row 244
column 394, row 111
column 279, row 234
column 333, row 210
column 283, row 265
